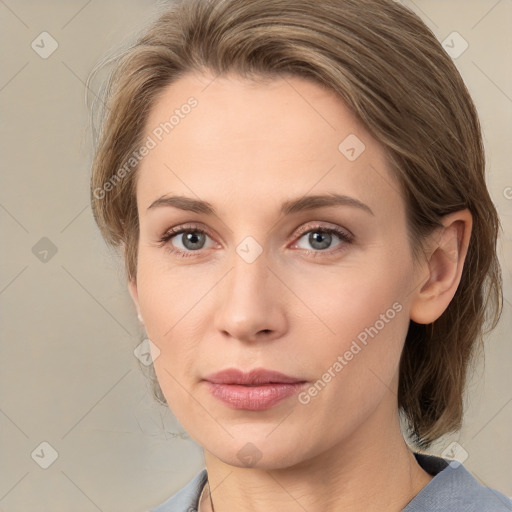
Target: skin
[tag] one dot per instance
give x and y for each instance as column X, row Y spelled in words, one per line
column 246, row 148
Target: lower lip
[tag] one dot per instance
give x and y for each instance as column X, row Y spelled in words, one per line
column 253, row 398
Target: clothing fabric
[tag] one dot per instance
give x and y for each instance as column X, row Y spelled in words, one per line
column 453, row 489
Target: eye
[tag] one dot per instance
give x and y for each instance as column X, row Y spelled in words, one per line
column 320, row 238
column 192, row 239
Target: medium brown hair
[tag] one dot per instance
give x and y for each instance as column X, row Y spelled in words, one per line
column 393, row 74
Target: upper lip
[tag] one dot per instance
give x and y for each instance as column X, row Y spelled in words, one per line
column 253, row 377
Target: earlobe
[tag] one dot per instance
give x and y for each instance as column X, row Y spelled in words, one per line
column 441, row 273
column 132, row 288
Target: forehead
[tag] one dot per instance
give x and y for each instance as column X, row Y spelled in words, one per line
column 289, row 112
column 258, row 139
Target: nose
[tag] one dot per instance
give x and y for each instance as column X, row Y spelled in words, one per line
column 251, row 304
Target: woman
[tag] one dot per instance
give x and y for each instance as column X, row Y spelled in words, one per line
column 299, row 192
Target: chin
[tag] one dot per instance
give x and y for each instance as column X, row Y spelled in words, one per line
column 258, row 451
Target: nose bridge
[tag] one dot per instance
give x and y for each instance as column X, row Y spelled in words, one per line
column 248, row 280
column 249, row 302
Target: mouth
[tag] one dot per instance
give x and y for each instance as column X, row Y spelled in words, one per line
column 255, row 390
column 254, row 377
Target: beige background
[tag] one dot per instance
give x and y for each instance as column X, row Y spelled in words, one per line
column 68, row 375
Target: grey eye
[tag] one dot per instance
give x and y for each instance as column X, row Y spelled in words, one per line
column 190, row 240
column 318, row 239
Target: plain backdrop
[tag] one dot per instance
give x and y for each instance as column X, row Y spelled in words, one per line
column 68, row 375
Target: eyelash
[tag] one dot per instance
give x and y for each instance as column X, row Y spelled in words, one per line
column 344, row 236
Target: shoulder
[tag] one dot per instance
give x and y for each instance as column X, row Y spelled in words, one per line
column 454, row 489
column 187, row 498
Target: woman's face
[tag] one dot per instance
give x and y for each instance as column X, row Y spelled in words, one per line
column 266, row 286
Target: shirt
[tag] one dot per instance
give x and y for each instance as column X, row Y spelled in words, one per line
column 453, row 489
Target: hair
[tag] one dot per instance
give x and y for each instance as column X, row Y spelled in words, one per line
column 389, row 69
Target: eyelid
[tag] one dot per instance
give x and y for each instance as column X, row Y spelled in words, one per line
column 321, row 225
column 183, row 228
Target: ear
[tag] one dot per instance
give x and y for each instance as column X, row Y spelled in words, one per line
column 440, row 274
column 132, row 288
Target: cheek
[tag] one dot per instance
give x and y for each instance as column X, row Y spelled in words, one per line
column 167, row 293
column 364, row 318
column 344, row 301
column 355, row 368
column 169, row 306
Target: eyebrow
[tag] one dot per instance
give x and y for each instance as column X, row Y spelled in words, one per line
column 289, row 207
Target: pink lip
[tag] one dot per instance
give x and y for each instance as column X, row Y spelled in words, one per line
column 251, row 378
column 255, row 390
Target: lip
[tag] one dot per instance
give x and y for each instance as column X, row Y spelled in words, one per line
column 254, row 377
column 255, row 390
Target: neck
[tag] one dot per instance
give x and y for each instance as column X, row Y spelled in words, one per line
column 372, row 470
